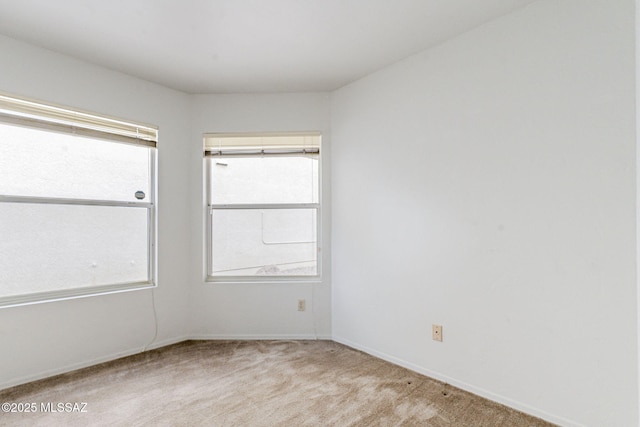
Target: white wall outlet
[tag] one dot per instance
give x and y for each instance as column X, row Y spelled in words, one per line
column 302, row 305
column 436, row 332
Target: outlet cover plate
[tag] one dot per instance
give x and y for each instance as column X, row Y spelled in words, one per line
column 436, row 332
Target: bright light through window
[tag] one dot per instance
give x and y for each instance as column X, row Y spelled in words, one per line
column 263, row 207
column 76, row 213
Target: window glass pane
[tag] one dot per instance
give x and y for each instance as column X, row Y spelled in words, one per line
column 264, row 179
column 48, row 247
column 38, row 163
column 261, row 242
column 280, row 226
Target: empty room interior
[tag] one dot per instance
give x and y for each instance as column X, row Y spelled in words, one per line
column 445, row 191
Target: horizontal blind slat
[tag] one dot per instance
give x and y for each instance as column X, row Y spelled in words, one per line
column 263, row 144
column 32, row 114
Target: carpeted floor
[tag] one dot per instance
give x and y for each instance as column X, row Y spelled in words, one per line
column 252, row 383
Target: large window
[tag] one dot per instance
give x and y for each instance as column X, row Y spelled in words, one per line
column 263, row 206
column 77, row 203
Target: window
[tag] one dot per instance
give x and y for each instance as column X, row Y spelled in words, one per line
column 77, row 203
column 263, row 206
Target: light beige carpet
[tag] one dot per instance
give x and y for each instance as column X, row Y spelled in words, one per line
column 252, row 383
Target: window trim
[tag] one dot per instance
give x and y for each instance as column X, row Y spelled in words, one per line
column 48, row 125
column 209, row 207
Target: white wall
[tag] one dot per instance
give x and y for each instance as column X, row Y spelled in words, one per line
column 258, row 310
column 488, row 185
column 41, row 339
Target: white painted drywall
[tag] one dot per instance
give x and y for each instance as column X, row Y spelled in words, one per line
column 637, row 160
column 488, row 185
column 41, row 339
column 258, row 310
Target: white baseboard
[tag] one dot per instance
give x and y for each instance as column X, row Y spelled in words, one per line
column 253, row 337
column 113, row 356
column 461, row 385
column 227, row 337
column 87, row 363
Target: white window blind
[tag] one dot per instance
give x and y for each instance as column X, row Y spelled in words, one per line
column 247, row 144
column 58, row 119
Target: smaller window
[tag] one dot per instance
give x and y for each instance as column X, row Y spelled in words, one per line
column 263, row 206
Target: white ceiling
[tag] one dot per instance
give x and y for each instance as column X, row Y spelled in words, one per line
column 225, row 46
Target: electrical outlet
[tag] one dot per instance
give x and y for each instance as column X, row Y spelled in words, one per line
column 436, row 332
column 302, row 305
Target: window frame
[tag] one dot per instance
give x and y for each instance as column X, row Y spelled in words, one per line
column 210, row 207
column 45, row 124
